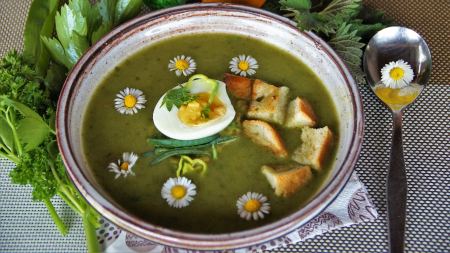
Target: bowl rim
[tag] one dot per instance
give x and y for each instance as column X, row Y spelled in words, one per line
column 186, row 240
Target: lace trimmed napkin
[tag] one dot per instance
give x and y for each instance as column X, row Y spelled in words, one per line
column 352, row 206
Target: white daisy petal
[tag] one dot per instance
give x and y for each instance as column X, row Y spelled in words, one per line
column 178, row 199
column 182, row 65
column 256, row 211
column 243, row 65
column 128, row 101
column 397, row 74
column 125, row 166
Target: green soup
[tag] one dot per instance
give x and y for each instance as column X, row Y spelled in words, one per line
column 107, row 134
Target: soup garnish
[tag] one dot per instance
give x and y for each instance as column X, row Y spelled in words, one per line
column 241, row 169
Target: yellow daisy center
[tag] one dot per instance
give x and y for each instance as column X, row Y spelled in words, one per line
column 252, row 205
column 243, row 65
column 181, row 64
column 397, row 73
column 130, row 101
column 178, row 191
column 124, row 166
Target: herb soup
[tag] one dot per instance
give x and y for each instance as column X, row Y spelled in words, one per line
column 106, row 134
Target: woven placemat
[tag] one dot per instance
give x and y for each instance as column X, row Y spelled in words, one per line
column 26, row 227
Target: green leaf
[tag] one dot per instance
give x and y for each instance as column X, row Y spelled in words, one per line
column 161, row 4
column 57, row 51
column 91, row 14
column 32, row 132
column 126, row 9
column 40, row 22
column 326, row 21
column 297, row 4
column 6, row 134
column 21, row 108
column 76, row 48
column 348, row 46
column 105, row 10
column 177, row 97
column 69, row 22
column 102, row 30
column 54, row 79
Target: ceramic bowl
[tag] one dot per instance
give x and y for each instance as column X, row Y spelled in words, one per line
column 200, row 19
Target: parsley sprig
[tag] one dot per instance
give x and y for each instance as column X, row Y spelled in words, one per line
column 345, row 24
column 178, row 97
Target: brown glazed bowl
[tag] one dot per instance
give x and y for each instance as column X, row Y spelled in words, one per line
column 197, row 19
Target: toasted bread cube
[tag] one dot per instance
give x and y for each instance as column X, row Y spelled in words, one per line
column 287, row 182
column 268, row 102
column 264, row 134
column 314, row 147
column 300, row 114
column 238, row 86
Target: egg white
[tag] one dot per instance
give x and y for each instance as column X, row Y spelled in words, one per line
column 168, row 123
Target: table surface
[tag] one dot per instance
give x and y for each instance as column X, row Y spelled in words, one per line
column 25, row 226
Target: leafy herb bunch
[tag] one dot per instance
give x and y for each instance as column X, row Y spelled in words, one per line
column 29, row 88
column 345, row 24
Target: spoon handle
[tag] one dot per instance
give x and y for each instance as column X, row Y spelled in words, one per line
column 396, row 189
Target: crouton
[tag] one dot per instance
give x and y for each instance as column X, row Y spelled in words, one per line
column 300, row 114
column 268, row 102
column 314, row 147
column 238, row 86
column 264, row 134
column 287, row 182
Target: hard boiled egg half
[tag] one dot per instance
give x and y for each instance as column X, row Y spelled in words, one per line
column 206, row 109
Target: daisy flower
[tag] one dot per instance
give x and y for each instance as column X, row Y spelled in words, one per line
column 125, row 166
column 178, row 192
column 252, row 205
column 243, row 65
column 182, row 65
column 397, row 74
column 129, row 101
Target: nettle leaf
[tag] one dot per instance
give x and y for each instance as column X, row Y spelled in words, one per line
column 326, row 21
column 347, row 45
column 32, row 132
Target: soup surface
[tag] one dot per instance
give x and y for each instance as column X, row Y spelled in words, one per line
column 106, row 134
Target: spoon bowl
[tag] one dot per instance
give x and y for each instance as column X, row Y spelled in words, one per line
column 397, row 43
column 390, row 45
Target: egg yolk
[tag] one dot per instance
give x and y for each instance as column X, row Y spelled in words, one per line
column 178, row 191
column 397, row 98
column 191, row 114
column 252, row 205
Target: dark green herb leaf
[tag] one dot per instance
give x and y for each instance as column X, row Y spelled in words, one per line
column 326, row 21
column 40, row 22
column 173, row 143
column 56, row 74
column 6, row 134
column 177, row 97
column 347, row 44
column 57, row 51
column 126, row 9
column 32, row 132
column 297, row 4
column 161, row 4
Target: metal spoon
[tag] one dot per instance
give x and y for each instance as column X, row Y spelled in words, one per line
column 392, row 44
